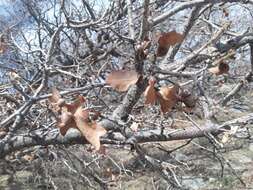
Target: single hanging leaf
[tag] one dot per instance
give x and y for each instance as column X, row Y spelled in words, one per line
column 220, row 69
column 150, row 93
column 121, row 80
column 168, row 97
column 89, row 129
column 166, row 40
column 66, row 118
column 170, row 38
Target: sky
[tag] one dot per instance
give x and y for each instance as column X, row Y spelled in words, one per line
column 2, row 7
column 3, row 2
column 6, row 7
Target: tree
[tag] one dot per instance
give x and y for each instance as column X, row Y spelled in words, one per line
column 119, row 72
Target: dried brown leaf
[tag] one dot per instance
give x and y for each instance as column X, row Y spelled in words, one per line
column 66, row 122
column 74, row 116
column 166, row 40
column 220, row 69
column 150, row 93
column 162, row 51
column 80, row 100
column 168, row 97
column 89, row 129
column 121, row 80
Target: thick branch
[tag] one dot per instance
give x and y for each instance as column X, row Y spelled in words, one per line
column 130, row 19
column 235, row 42
column 197, row 57
column 190, row 23
column 144, row 24
column 187, row 5
column 251, row 56
column 73, row 137
column 121, row 113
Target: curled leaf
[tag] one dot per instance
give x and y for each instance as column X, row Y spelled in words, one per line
column 89, row 129
column 121, row 80
column 219, row 69
column 168, row 97
column 67, row 120
column 166, row 40
column 150, row 93
column 74, row 116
